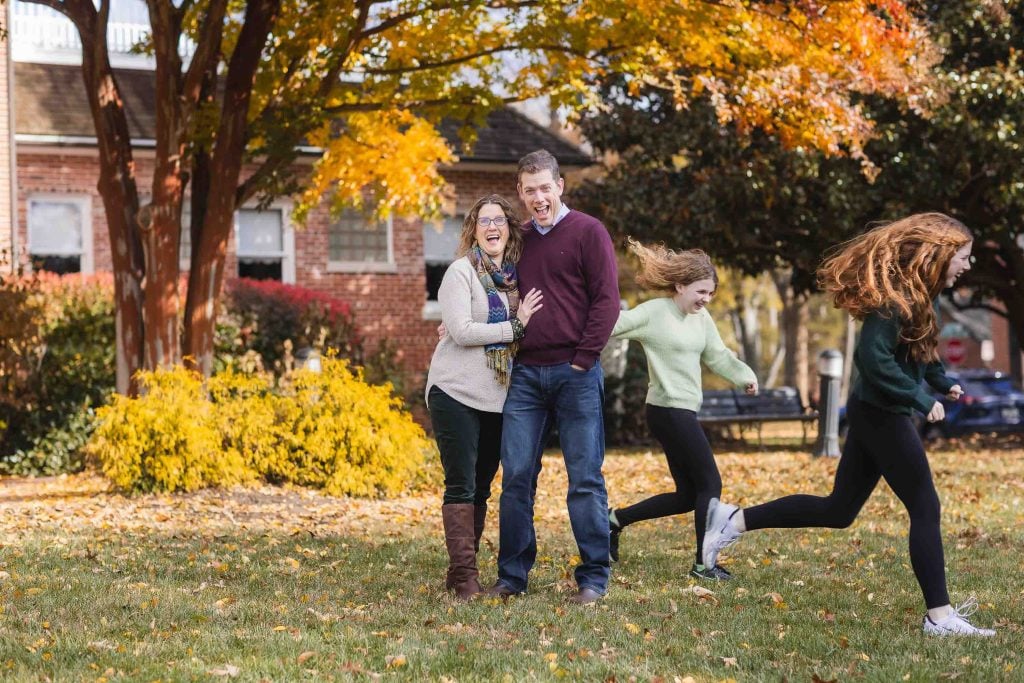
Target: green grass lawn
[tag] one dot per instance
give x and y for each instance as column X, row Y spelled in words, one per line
column 285, row 585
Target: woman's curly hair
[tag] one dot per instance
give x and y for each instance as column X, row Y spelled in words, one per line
column 900, row 268
column 662, row 268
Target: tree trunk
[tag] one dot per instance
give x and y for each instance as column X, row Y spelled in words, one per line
column 794, row 325
column 801, row 360
column 745, row 328
column 117, row 188
column 200, row 180
column 776, row 365
column 206, row 278
column 795, row 313
column 752, row 344
column 160, row 222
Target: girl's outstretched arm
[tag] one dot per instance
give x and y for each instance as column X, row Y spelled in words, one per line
column 935, row 375
column 721, row 360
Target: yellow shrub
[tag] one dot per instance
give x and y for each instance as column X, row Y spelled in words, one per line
column 330, row 430
column 354, row 438
column 166, row 439
column 246, row 411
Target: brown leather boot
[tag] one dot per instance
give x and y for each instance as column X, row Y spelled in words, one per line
column 462, row 577
column 479, row 517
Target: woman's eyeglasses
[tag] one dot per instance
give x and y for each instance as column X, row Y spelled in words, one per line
column 483, row 221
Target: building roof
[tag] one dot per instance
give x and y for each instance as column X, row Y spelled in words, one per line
column 509, row 135
column 49, row 102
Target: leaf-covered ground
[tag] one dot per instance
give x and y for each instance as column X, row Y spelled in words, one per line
column 277, row 584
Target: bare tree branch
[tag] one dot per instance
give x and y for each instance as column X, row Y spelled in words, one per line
column 78, row 11
column 247, row 189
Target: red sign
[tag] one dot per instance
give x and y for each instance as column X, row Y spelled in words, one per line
column 956, row 351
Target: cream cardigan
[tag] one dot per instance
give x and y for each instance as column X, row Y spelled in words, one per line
column 459, row 364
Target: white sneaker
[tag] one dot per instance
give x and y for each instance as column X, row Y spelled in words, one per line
column 719, row 531
column 956, row 623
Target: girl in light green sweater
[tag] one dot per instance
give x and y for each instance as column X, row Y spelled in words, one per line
column 677, row 335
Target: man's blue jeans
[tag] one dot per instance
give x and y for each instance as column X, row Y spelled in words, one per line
column 538, row 397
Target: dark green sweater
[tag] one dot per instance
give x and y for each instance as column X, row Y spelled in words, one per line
column 888, row 378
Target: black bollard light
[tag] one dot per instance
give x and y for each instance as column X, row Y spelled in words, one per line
column 830, row 374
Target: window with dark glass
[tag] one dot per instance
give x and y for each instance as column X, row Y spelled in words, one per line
column 439, row 245
column 56, row 235
column 261, row 250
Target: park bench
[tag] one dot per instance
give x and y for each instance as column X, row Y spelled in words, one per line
column 729, row 407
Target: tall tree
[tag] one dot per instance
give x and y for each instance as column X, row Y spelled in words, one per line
column 965, row 158
column 368, row 81
column 680, row 176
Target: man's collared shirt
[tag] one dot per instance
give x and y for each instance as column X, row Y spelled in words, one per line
column 562, row 213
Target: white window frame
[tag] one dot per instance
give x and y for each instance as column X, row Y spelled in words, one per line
column 364, row 266
column 84, row 202
column 287, row 238
column 432, row 307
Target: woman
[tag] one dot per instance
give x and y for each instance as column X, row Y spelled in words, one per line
column 889, row 278
column 469, row 374
column 678, row 334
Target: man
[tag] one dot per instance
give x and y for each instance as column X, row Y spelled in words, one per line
column 557, row 380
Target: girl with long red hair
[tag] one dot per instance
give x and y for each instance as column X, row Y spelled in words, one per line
column 889, row 278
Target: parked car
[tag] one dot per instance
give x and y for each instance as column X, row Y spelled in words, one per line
column 992, row 402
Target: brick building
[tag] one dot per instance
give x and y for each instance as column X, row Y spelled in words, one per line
column 388, row 272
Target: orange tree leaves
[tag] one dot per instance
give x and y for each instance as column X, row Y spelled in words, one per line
column 345, row 77
column 268, row 79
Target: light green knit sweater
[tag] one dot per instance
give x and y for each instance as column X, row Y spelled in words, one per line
column 676, row 344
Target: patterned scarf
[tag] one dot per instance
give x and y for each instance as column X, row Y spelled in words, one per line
column 494, row 280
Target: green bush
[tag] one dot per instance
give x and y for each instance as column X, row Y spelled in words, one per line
column 329, row 430
column 57, row 356
column 56, row 365
column 56, row 448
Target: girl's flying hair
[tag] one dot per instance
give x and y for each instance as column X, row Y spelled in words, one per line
column 662, row 268
column 897, row 267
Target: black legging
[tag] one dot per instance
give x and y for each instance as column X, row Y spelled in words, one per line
column 469, row 441
column 879, row 444
column 692, row 466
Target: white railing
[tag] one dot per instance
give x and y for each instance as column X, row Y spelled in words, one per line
column 38, row 32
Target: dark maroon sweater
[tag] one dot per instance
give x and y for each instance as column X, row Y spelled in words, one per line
column 574, row 267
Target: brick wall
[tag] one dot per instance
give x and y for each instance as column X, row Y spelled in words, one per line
column 388, row 305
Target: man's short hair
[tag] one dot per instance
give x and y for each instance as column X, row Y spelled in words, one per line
column 535, row 162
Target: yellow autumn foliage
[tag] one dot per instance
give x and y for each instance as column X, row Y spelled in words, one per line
column 165, row 440
column 330, row 430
